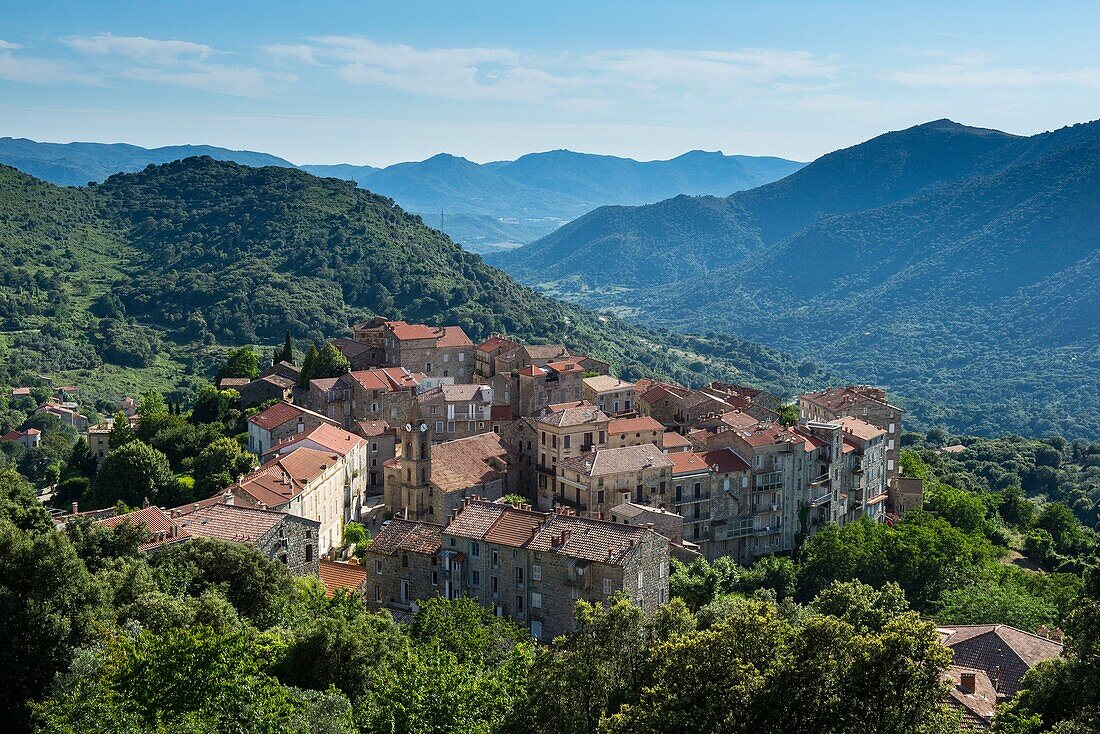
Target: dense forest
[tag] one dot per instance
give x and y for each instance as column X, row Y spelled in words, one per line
column 956, row 266
column 143, row 281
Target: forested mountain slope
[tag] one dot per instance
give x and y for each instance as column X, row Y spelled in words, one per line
column 950, row 263
column 145, row 267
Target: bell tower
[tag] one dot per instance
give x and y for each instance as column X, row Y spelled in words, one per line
column 415, row 473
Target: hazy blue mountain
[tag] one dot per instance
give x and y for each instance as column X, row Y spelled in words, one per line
column 75, row 164
column 484, row 207
column 952, row 263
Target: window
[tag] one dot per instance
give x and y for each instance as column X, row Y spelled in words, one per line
column 461, row 357
column 404, row 560
column 515, row 553
column 427, row 366
column 566, row 439
column 493, row 583
column 378, row 567
column 439, row 426
column 374, row 448
column 536, row 630
column 607, row 587
column 475, row 550
column 892, row 428
column 446, row 357
column 641, row 580
column 450, row 426
column 890, row 445
column 536, row 600
column 309, row 553
column 599, row 497
column 404, row 591
column 660, row 596
column 475, row 578
column 542, row 437
column 554, row 441
column 519, row 604
column 495, row 558
column 536, row 572
column 435, row 578
column 889, row 465
column 374, row 407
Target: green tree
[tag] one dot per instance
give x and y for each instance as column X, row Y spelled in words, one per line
column 133, row 473
column 287, row 355
column 212, row 405
column 152, row 404
column 329, row 362
column 789, row 414
column 243, row 362
column 121, row 433
column 48, row 607
column 218, row 465
column 308, row 366
column 81, row 461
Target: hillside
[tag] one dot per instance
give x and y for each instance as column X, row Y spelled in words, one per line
column 140, row 277
column 75, row 164
column 951, row 263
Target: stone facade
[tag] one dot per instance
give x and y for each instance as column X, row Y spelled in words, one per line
column 457, row 411
column 374, row 394
column 867, row 403
column 610, row 394
column 278, row 423
column 279, row 536
column 595, row 482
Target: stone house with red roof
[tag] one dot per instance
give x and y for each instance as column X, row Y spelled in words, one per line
column 634, row 432
column 279, row 422
column 378, row 393
column 556, row 433
column 30, row 438
column 279, row 536
column 266, row 388
column 403, row 565
column 610, row 394
column 594, row 482
column 161, row 528
column 437, row 351
column 539, row 386
column 352, row 449
column 338, row 576
column 864, row 477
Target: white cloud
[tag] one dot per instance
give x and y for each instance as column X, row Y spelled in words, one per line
column 9, row 46
column 978, row 70
column 18, row 67
column 174, row 62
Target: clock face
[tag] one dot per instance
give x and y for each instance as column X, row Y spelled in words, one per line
column 423, row 427
column 408, row 426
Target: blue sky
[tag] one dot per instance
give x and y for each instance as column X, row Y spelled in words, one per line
column 377, row 83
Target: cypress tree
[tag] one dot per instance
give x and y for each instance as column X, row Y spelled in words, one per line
column 288, row 349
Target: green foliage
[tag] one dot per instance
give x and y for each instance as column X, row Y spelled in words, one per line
column 121, row 433
column 134, row 473
column 219, row 464
column 243, row 362
column 789, row 414
column 329, row 362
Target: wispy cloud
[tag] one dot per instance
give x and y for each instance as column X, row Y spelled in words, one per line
column 17, row 66
column 979, row 70
column 174, row 62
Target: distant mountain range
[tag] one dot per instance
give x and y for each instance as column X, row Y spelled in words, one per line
column 954, row 264
column 484, row 207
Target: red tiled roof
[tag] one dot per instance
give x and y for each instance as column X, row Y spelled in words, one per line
column 500, row 413
column 370, row 429
column 454, row 336
column 494, row 342
column 1004, row 653
column 860, row 429
column 162, row 530
column 285, row 477
column 330, row 437
column 675, row 440
column 767, row 434
column 276, row 415
column 405, row 331
column 336, row 576
column 12, row 436
column 406, row 535
column 467, row 462
column 634, row 425
column 725, row 460
column 564, row 366
column 530, row 371
column 687, row 462
column 230, row 522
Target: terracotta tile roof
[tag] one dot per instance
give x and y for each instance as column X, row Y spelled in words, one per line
column 455, row 393
column 544, row 351
column 530, row 371
column 454, row 336
column 574, row 416
column 329, row 437
column 349, row 347
column 687, row 462
column 468, row 462
column 476, row 519
column 162, row 530
column 1004, row 653
column 373, row 379
column 978, row 705
column 515, row 527
column 635, row 425
column 404, row 331
column 336, row 576
column 12, row 436
column 230, row 522
column 841, row 398
column 285, row 477
column 370, row 429
column 325, row 384
column 767, row 434
column 278, row 381
column 232, row 382
column 402, row 379
column 725, row 460
column 17, row 392
column 282, row 412
column 406, row 535
column 602, row 462
column 556, row 407
column 860, row 429
column 605, row 383
column 502, row 413
column 495, row 342
column 812, row 441
column 656, row 393
column 737, row 419
column 564, row 366
column 675, row 441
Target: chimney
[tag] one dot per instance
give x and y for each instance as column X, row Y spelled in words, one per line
column 145, row 503
column 76, row 507
column 968, row 682
column 227, row 498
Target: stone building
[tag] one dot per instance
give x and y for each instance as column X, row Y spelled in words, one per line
column 526, row 565
column 427, row 482
column 486, row 353
column 858, row 401
column 305, row 482
column 610, row 394
column 279, row 536
column 907, row 494
column 864, row 468
column 264, row 389
column 382, row 446
column 278, row 422
column 403, row 566
column 337, row 576
column 634, row 432
column 561, row 431
column 596, row 481
column 457, row 411
column 437, row 351
column 538, row 387
column 379, row 393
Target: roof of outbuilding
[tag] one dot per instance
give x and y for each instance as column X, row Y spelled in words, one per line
column 406, row 535
column 602, row 462
column 1004, row 653
column 230, row 522
column 282, row 412
column 335, row 576
column 157, row 523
